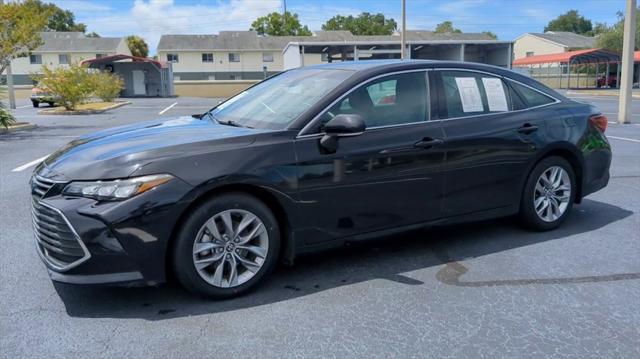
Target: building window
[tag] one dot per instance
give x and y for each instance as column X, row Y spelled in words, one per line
column 208, row 57
column 35, row 59
column 267, row 57
column 235, row 77
column 172, row 58
column 63, row 59
column 99, row 56
column 324, row 57
column 529, row 53
column 234, row 57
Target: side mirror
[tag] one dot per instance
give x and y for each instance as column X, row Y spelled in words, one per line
column 343, row 125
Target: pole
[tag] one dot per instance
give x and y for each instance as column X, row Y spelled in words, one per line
column 626, row 76
column 403, row 34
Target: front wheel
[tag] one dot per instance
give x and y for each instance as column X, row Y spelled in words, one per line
column 35, row 104
column 548, row 194
column 226, row 246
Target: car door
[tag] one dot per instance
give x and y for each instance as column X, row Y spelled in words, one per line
column 489, row 142
column 389, row 176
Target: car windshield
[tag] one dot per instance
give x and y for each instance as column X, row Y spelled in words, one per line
column 276, row 102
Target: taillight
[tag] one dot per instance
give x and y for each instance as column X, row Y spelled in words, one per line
column 600, row 121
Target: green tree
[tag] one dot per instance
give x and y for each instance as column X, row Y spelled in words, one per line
column 137, row 46
column 106, row 86
column 611, row 37
column 445, row 27
column 20, row 23
column 92, row 34
column 363, row 24
column 491, row 34
column 275, row 24
column 59, row 19
column 572, row 21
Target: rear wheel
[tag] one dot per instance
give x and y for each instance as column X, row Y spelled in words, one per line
column 226, row 246
column 35, row 103
column 549, row 194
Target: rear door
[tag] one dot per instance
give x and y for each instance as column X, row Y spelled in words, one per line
column 387, row 177
column 490, row 139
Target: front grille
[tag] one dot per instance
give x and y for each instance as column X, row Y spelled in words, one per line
column 57, row 241
column 40, row 186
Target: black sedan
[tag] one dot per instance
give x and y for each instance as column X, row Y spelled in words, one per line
column 310, row 159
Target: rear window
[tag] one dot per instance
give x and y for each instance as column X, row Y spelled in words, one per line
column 529, row 96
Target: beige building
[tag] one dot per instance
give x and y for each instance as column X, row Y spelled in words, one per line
column 61, row 49
column 550, row 42
column 223, row 64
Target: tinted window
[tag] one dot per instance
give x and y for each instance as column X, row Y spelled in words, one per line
column 517, row 103
column 468, row 94
column 391, row 100
column 532, row 98
column 276, row 102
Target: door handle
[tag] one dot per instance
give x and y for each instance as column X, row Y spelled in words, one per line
column 528, row 128
column 428, row 142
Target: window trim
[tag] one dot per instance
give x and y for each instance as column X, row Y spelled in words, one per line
column 67, row 56
column 504, row 78
column 37, row 56
column 233, row 53
column 273, row 57
column 312, row 122
column 175, row 55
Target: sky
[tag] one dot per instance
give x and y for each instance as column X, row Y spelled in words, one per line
column 152, row 18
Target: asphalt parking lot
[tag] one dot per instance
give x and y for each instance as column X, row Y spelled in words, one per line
column 488, row 289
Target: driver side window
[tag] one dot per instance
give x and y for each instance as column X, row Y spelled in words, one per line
column 390, row 100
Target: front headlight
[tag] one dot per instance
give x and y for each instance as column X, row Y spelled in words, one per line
column 115, row 189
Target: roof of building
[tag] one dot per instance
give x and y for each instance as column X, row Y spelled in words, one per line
column 568, row 39
column 77, row 42
column 250, row 40
column 576, row 57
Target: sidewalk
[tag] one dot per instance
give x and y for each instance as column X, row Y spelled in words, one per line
column 601, row 92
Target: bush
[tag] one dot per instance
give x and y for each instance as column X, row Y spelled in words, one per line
column 71, row 85
column 75, row 84
column 106, row 86
column 6, row 118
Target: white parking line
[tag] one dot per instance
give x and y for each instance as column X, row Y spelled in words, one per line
column 25, row 106
column 624, row 139
column 167, row 109
column 27, row 165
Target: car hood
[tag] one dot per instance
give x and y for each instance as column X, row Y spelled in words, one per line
column 120, row 151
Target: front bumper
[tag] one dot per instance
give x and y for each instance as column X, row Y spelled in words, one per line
column 123, row 243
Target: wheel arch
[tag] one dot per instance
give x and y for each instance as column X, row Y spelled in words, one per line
column 570, row 153
column 266, row 196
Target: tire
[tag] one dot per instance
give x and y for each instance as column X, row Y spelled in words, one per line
column 50, row 104
column 543, row 212
column 200, row 227
column 35, row 104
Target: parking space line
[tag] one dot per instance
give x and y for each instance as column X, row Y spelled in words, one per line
column 25, row 106
column 27, row 165
column 624, row 139
column 167, row 109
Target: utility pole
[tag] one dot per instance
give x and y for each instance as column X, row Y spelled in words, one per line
column 626, row 83
column 403, row 34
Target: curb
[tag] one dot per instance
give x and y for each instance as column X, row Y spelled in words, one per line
column 17, row 127
column 83, row 112
column 600, row 93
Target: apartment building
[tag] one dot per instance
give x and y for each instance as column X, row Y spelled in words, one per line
column 61, row 49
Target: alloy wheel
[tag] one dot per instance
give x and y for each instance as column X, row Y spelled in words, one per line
column 552, row 194
column 230, row 248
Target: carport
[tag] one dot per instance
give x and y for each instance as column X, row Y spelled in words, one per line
column 553, row 69
column 142, row 77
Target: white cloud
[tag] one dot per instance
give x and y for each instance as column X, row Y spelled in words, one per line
column 153, row 18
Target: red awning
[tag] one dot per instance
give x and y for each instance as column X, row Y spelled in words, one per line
column 576, row 57
column 120, row 57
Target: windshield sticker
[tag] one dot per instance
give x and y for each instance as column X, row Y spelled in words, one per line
column 469, row 94
column 495, row 94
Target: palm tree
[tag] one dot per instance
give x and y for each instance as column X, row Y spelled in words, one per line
column 6, row 118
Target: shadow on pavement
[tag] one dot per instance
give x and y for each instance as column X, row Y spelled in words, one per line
column 381, row 259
